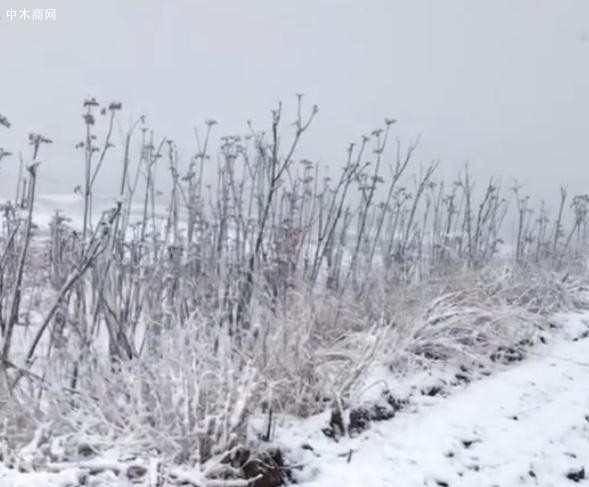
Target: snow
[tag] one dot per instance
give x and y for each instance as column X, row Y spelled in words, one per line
column 11, row 478
column 526, row 424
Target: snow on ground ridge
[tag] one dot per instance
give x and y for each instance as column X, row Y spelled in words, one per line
column 526, row 425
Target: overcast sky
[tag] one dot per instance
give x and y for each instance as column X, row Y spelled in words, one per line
column 501, row 84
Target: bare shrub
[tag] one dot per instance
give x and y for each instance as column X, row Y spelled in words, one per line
column 469, row 316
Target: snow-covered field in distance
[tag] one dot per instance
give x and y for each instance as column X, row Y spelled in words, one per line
column 71, row 205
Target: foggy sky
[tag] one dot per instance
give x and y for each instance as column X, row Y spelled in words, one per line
column 501, row 84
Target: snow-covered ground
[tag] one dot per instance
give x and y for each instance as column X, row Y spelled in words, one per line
column 526, row 424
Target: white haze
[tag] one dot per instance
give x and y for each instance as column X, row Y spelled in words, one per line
column 502, row 84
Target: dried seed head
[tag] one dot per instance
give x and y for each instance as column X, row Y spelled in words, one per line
column 88, row 119
column 91, row 102
column 4, row 121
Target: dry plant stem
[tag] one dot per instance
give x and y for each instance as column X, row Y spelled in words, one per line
column 398, row 171
column 367, row 197
column 89, row 150
column 21, row 165
column 276, row 170
column 94, row 251
column 36, row 141
column 8, row 245
column 558, row 226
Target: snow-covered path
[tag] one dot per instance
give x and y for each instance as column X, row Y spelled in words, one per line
column 526, row 425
